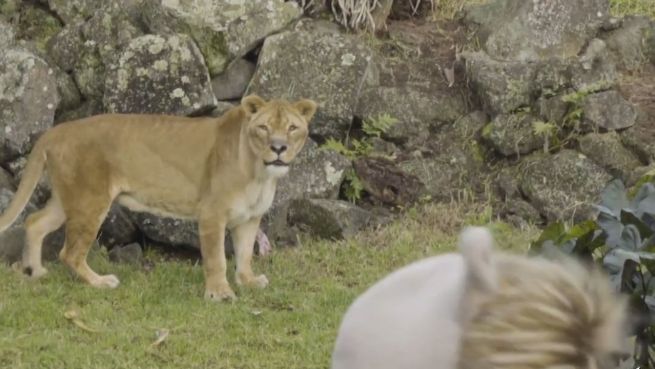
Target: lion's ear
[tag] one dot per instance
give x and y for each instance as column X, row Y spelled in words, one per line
column 306, row 108
column 252, row 103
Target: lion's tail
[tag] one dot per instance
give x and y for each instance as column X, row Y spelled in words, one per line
column 29, row 180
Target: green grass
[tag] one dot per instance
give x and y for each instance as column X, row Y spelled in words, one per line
column 627, row 7
column 291, row 324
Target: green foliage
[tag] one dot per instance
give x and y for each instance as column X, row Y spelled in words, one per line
column 622, row 240
column 353, row 187
column 547, row 130
column 379, row 126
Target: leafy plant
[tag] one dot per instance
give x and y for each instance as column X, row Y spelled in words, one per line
column 547, row 130
column 353, row 187
column 622, row 240
column 357, row 148
column 380, row 125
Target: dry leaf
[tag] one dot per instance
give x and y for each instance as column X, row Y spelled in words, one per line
column 161, row 335
column 73, row 316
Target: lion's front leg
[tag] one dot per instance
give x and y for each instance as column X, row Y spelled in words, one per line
column 243, row 237
column 212, row 248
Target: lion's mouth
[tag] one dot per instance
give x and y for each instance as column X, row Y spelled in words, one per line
column 276, row 162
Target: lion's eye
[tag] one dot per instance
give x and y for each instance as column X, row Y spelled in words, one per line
column 262, row 127
column 292, row 128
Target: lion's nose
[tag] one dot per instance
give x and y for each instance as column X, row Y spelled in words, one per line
column 278, row 147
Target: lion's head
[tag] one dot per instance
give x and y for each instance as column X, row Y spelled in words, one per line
column 277, row 130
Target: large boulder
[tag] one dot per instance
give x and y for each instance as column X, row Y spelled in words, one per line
column 563, row 186
column 223, row 29
column 28, row 100
column 502, row 87
column 159, row 74
column 319, row 63
column 532, row 30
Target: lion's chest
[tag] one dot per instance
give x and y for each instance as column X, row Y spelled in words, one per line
column 252, row 202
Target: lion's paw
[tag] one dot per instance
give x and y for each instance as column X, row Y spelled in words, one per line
column 220, row 294
column 105, row 281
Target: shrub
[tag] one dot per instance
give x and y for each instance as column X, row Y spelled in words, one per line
column 622, row 240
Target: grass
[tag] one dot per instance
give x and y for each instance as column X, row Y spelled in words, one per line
column 628, row 7
column 291, row 324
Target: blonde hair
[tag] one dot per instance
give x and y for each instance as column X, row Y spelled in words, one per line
column 543, row 314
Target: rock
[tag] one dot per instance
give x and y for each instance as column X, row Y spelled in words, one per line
column 89, row 72
column 28, row 100
column 110, row 30
column 159, row 74
column 327, row 67
column 563, row 186
column 607, row 151
column 552, row 109
column 86, row 109
column 232, row 83
column 7, row 34
column 553, row 76
column 37, row 25
column 12, row 242
column 315, row 173
column 71, row 10
column 6, row 195
column 128, row 254
column 503, row 87
column 7, row 180
column 42, row 191
column 221, row 108
column 602, row 75
column 397, row 87
column 608, row 110
column 532, row 30
column 513, row 134
column 224, row 29
column 387, row 183
column 628, row 45
column 65, row 48
column 401, row 103
column 453, row 167
column 170, row 231
column 118, row 229
column 67, row 90
column 519, row 213
column 329, row 219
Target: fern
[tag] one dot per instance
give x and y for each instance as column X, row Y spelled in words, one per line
column 353, row 186
column 378, row 126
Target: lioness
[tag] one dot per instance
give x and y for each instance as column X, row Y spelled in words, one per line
column 481, row 309
column 220, row 171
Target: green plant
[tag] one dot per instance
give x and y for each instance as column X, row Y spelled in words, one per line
column 378, row 126
column 357, row 148
column 353, row 186
column 622, row 240
column 547, row 130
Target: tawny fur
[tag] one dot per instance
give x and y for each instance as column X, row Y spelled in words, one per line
column 215, row 170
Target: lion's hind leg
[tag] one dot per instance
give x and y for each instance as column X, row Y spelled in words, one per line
column 37, row 226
